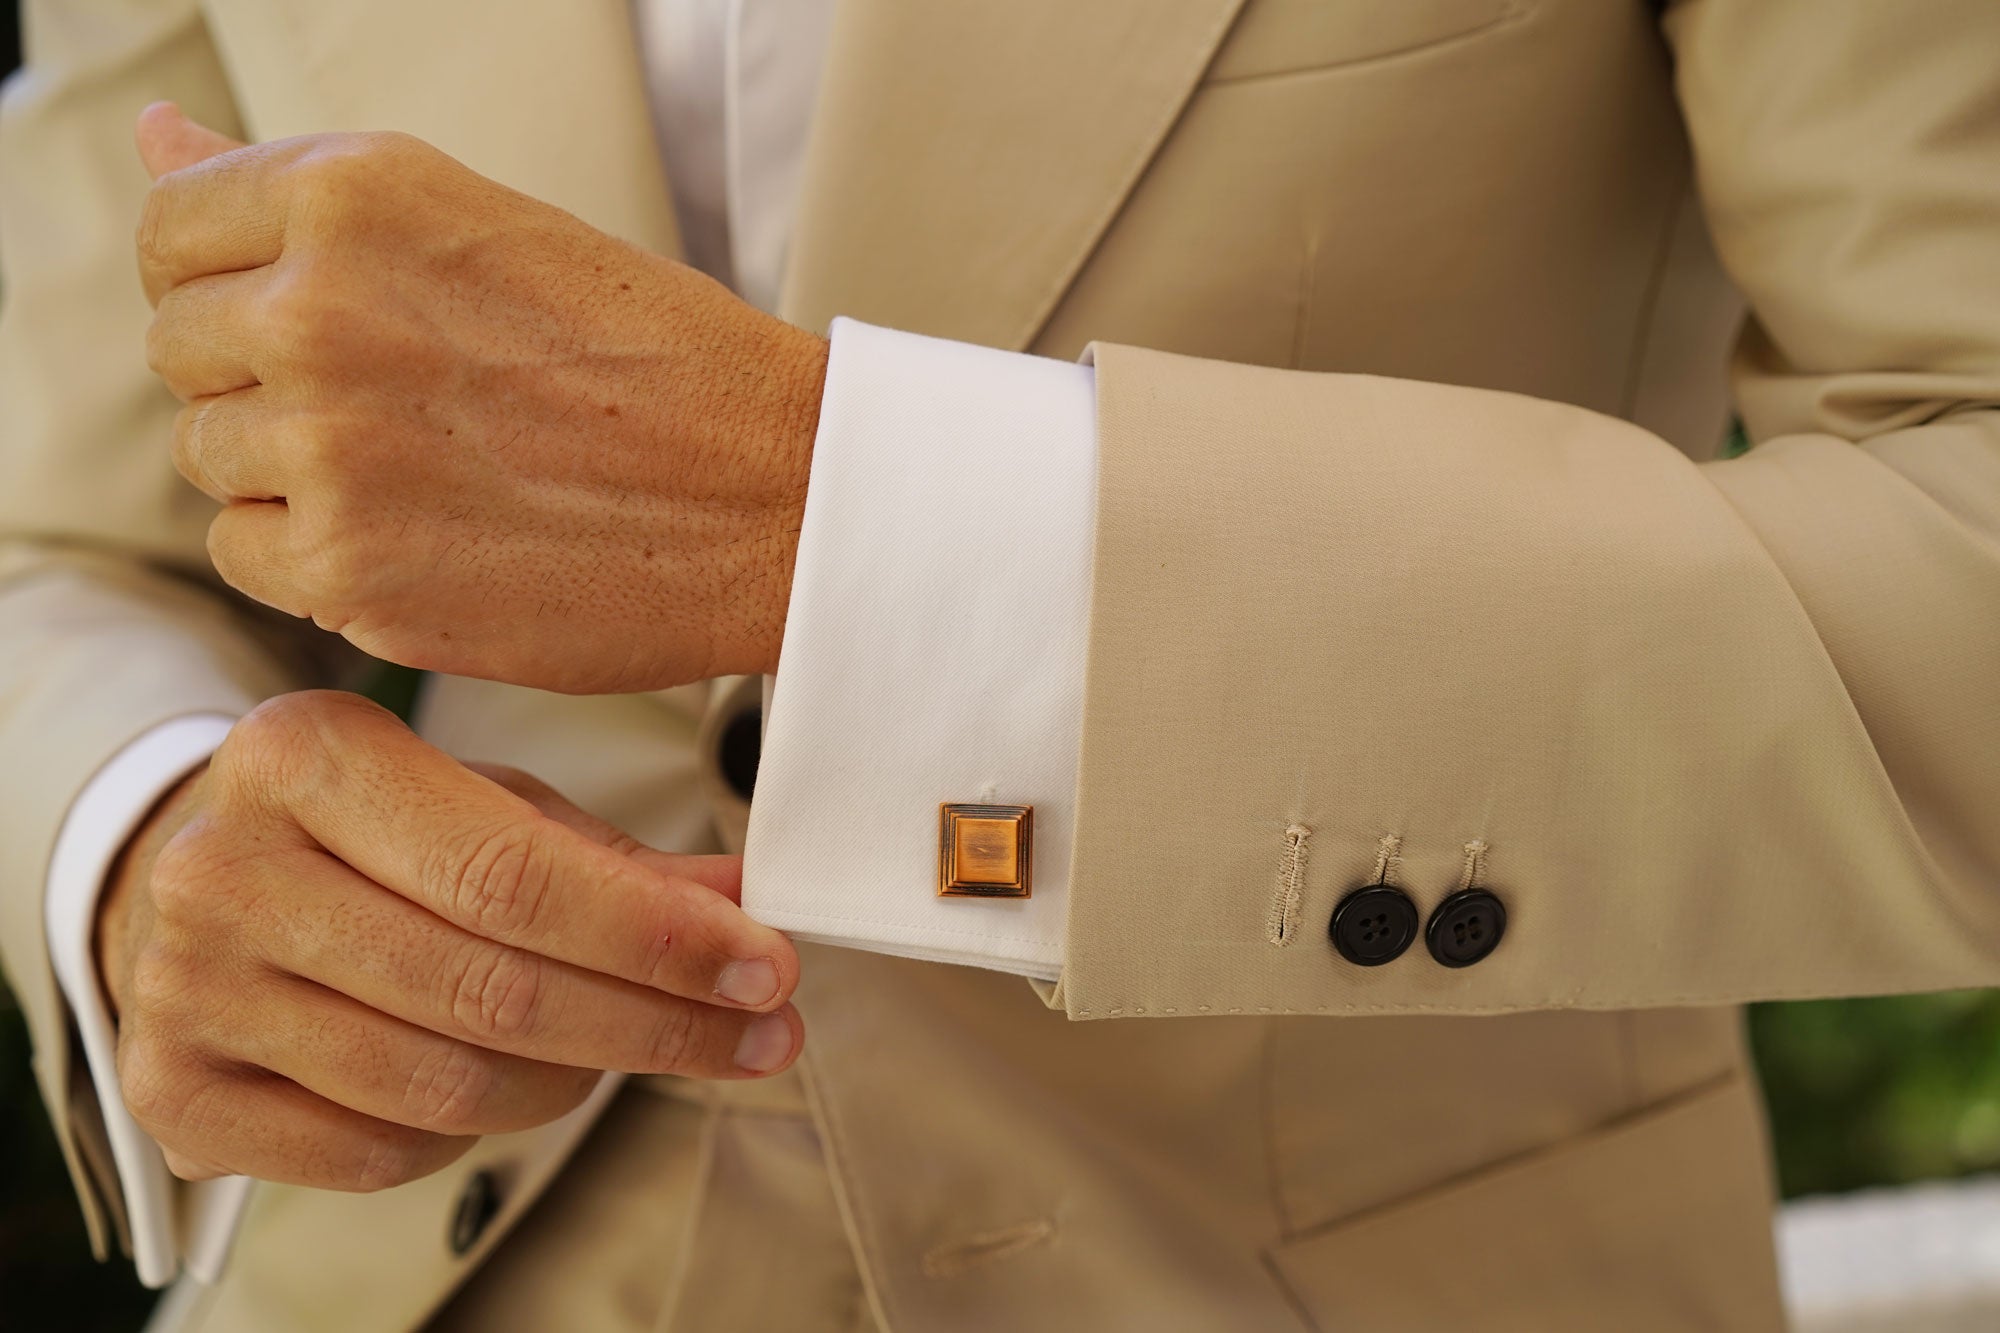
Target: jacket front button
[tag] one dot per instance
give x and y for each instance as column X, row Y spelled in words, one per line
column 478, row 1204
column 1373, row 925
column 1466, row 927
column 738, row 748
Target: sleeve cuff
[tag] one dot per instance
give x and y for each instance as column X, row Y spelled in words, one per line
column 104, row 815
column 934, row 649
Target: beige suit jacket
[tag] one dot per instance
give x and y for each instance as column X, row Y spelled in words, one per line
column 1412, row 525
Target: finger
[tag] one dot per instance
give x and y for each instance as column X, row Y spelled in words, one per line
column 557, row 806
column 383, row 1067
column 249, row 543
column 331, row 926
column 221, row 214
column 250, row 1122
column 205, row 334
column 224, row 446
column 168, row 140
column 718, row 873
column 186, row 1168
column 415, row 820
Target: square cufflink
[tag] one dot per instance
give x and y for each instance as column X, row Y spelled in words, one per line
column 985, row 851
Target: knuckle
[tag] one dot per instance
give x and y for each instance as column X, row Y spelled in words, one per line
column 193, row 875
column 179, row 877
column 333, row 566
column 235, row 561
column 153, row 1088
column 448, row 1088
column 305, row 311
column 156, row 979
column 347, row 171
column 271, row 747
column 150, row 237
column 498, row 886
column 313, row 449
column 294, row 293
column 675, row 1039
column 498, row 995
column 388, row 145
column 389, row 1159
column 187, row 427
column 293, row 741
column 159, row 346
column 272, row 732
column 206, row 1116
column 332, row 169
column 174, row 1097
column 326, row 942
column 164, row 987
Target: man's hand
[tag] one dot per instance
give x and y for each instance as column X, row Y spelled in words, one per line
column 337, row 955
column 464, row 429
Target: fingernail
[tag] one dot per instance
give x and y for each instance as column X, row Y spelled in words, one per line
column 751, row 981
column 765, row 1044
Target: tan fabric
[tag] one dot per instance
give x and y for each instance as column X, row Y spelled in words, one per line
column 1587, row 1250
column 1725, row 728
column 685, row 1212
column 1727, row 731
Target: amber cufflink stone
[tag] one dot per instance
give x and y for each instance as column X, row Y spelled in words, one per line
column 985, row 851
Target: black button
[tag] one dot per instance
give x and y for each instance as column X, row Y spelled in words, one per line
column 478, row 1205
column 1373, row 925
column 1466, row 927
column 738, row 749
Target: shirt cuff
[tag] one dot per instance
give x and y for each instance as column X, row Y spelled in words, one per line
column 197, row 1225
column 934, row 649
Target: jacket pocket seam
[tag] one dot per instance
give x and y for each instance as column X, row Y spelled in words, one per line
column 1525, row 1160
column 1508, row 16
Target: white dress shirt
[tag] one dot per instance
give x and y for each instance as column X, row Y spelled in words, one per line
column 934, row 649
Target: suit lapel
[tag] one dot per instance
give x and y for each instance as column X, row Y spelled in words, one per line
column 547, row 96
column 967, row 155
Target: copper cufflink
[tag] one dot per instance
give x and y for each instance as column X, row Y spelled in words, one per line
column 985, row 851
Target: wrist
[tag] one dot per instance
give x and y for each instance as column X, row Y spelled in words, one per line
column 755, row 613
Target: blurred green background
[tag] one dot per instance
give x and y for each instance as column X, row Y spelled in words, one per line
column 1861, row 1092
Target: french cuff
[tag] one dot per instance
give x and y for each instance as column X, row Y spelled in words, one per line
column 196, row 1223
column 933, row 654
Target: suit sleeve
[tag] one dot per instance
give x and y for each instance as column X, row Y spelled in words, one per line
column 108, row 625
column 1708, row 732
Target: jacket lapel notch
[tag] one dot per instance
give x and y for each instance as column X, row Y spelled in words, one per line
column 967, row 157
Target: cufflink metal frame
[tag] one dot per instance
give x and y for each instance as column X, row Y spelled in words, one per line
column 985, row 851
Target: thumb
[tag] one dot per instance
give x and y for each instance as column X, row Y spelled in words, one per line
column 168, row 140
column 717, row 872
